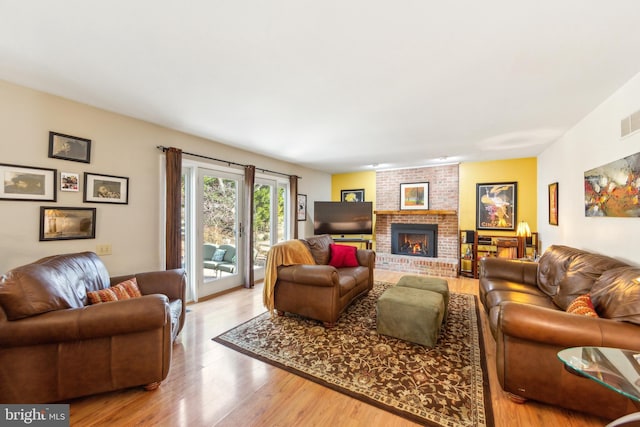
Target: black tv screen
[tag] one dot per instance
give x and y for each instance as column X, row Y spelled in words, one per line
column 343, row 217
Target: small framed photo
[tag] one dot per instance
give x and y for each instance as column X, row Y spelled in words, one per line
column 62, row 223
column 352, row 195
column 553, row 203
column 302, row 207
column 496, row 206
column 67, row 147
column 27, row 183
column 414, row 196
column 69, row 181
column 106, row 189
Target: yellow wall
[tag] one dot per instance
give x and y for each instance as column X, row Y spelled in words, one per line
column 523, row 171
column 354, row 181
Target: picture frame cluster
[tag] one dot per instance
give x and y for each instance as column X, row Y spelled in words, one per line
column 31, row 183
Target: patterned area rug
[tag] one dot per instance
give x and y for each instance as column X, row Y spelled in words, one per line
column 442, row 386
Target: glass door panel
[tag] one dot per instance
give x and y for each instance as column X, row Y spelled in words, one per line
column 264, row 223
column 283, row 213
column 220, row 262
column 270, row 220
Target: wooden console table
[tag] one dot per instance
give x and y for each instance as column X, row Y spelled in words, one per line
column 368, row 243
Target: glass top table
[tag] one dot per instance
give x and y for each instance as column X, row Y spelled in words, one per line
column 615, row 368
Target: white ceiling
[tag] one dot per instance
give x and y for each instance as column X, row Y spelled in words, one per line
column 335, row 85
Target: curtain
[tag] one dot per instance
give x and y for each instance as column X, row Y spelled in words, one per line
column 293, row 209
column 173, row 202
column 246, row 226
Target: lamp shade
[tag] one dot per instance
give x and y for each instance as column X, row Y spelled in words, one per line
column 523, row 229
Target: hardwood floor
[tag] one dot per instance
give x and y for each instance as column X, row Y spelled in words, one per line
column 212, row 385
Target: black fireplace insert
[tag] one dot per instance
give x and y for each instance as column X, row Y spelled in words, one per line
column 415, row 240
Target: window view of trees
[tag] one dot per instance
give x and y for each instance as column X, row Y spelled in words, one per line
column 218, row 208
column 219, row 195
column 217, row 217
column 262, row 221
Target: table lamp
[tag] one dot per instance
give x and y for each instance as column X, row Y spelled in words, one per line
column 522, row 232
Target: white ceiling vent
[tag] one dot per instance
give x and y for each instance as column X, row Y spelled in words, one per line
column 630, row 124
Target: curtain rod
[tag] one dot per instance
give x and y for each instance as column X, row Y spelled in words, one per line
column 227, row 162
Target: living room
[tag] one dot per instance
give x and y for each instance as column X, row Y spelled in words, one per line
column 125, row 146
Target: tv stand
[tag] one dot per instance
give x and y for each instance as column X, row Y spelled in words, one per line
column 367, row 242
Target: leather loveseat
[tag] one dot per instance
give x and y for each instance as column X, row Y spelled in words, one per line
column 526, row 303
column 55, row 346
column 321, row 291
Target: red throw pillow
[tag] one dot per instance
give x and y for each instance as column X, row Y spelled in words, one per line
column 343, row 256
column 582, row 305
column 125, row 290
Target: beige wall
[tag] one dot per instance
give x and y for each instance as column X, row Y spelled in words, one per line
column 121, row 146
column 593, row 142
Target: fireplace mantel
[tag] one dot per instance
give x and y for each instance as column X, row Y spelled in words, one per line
column 416, row 212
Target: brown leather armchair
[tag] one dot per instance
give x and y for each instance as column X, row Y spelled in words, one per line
column 54, row 346
column 321, row 291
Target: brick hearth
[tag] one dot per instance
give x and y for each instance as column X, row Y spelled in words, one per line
column 443, row 199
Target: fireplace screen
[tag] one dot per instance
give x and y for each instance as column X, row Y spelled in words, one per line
column 413, row 244
column 414, row 239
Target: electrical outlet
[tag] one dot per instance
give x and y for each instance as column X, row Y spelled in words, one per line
column 104, row 249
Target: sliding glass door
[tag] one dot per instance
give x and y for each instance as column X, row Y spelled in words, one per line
column 211, row 216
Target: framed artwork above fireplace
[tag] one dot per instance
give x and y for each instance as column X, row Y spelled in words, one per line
column 496, row 206
column 414, row 196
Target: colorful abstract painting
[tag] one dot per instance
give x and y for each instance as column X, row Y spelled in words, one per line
column 612, row 189
column 496, row 206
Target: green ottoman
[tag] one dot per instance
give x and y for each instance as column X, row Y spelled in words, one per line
column 433, row 284
column 410, row 314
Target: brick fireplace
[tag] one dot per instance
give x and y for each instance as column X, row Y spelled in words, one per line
column 442, row 212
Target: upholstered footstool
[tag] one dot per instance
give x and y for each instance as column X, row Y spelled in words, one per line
column 433, row 284
column 410, row 314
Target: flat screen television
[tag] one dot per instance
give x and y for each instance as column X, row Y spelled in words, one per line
column 343, row 217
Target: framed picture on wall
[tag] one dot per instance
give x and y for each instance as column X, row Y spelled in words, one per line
column 67, row 147
column 63, row 223
column 414, row 196
column 69, row 181
column 496, row 206
column 302, row 207
column 553, row 203
column 106, row 189
column 27, row 183
column 352, row 195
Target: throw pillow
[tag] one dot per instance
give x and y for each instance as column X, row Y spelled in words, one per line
column 319, row 248
column 219, row 254
column 583, row 306
column 125, row 290
column 343, row 256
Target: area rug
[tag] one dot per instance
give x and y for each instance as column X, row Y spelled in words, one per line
column 442, row 386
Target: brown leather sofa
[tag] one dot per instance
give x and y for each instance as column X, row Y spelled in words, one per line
column 322, row 292
column 54, row 346
column 526, row 303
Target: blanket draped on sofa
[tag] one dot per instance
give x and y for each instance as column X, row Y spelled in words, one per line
column 290, row 252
